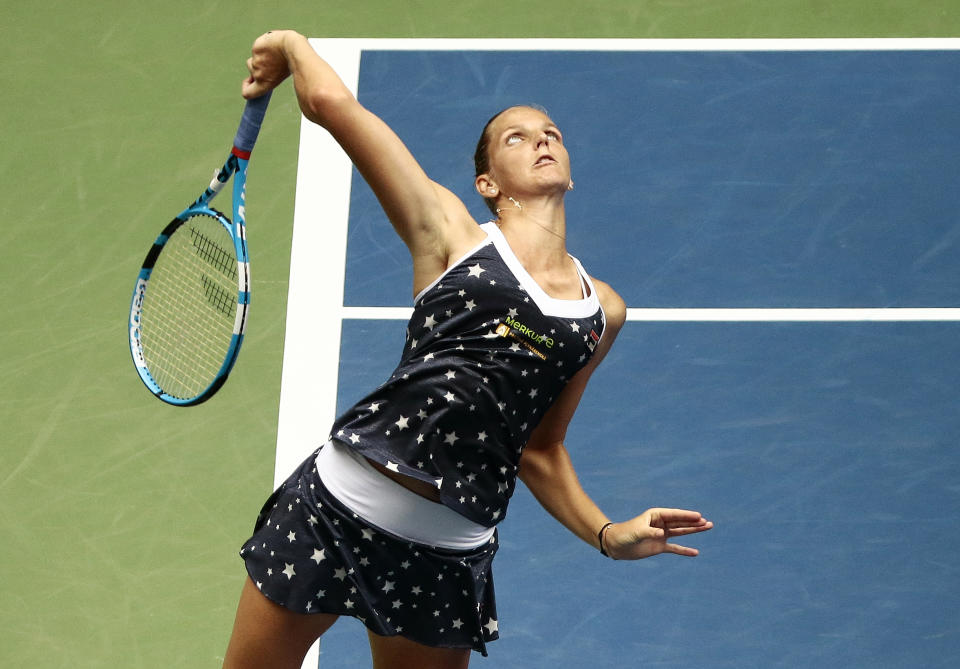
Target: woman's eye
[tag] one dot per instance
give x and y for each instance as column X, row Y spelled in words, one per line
column 553, row 135
column 514, row 139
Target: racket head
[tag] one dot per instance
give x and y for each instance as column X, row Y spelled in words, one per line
column 189, row 307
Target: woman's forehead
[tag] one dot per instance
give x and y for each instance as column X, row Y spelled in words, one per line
column 521, row 115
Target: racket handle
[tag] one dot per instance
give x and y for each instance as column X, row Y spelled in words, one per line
column 250, row 122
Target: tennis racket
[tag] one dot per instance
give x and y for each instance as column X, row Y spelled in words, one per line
column 192, row 295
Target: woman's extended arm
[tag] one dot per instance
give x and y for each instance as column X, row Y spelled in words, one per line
column 546, row 469
column 433, row 223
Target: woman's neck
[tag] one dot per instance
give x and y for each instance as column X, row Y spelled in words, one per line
column 538, row 230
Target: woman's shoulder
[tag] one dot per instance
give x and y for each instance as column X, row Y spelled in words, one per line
column 614, row 308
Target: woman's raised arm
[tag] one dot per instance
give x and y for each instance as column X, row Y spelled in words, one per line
column 433, row 223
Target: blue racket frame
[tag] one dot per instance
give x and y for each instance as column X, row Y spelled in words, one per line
column 236, row 167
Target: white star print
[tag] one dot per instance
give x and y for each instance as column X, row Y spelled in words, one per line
column 318, row 556
column 512, row 313
column 450, row 374
column 450, row 438
column 367, row 534
column 375, row 407
column 429, row 322
column 449, row 396
column 292, row 537
column 491, row 626
column 476, row 270
column 402, row 423
column 470, row 305
column 387, row 586
column 575, row 326
column 288, row 570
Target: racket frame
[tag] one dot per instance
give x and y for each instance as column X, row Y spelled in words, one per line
column 236, row 167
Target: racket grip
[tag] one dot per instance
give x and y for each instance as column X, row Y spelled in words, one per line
column 250, row 122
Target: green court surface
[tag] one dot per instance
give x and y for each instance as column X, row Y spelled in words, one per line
column 121, row 517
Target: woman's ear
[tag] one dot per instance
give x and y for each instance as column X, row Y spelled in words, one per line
column 486, row 186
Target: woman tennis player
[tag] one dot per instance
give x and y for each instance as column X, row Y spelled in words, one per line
column 392, row 520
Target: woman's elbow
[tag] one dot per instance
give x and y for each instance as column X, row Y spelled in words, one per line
column 326, row 107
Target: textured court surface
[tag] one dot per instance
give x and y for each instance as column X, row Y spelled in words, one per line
column 733, row 179
column 826, row 453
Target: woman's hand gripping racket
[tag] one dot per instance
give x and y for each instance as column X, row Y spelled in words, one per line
column 190, row 302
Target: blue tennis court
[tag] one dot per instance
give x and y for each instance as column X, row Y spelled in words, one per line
column 738, row 199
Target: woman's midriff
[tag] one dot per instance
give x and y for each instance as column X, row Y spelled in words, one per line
column 421, row 488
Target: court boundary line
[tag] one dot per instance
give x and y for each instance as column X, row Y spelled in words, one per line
column 341, row 44
column 727, row 315
column 310, row 371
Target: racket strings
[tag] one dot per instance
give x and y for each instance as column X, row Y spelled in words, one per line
column 219, row 258
column 221, row 300
column 189, row 308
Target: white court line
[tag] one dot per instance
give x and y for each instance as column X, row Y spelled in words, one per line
column 723, row 315
column 315, row 310
column 350, row 44
column 793, row 315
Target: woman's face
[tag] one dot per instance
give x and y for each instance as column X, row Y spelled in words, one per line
column 527, row 155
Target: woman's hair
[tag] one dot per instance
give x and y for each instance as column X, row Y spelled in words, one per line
column 481, row 157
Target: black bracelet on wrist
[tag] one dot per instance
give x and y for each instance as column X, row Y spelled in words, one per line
column 603, row 551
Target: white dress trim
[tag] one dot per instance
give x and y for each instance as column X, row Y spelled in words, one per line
column 386, row 504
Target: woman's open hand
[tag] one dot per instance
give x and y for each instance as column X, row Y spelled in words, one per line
column 650, row 533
